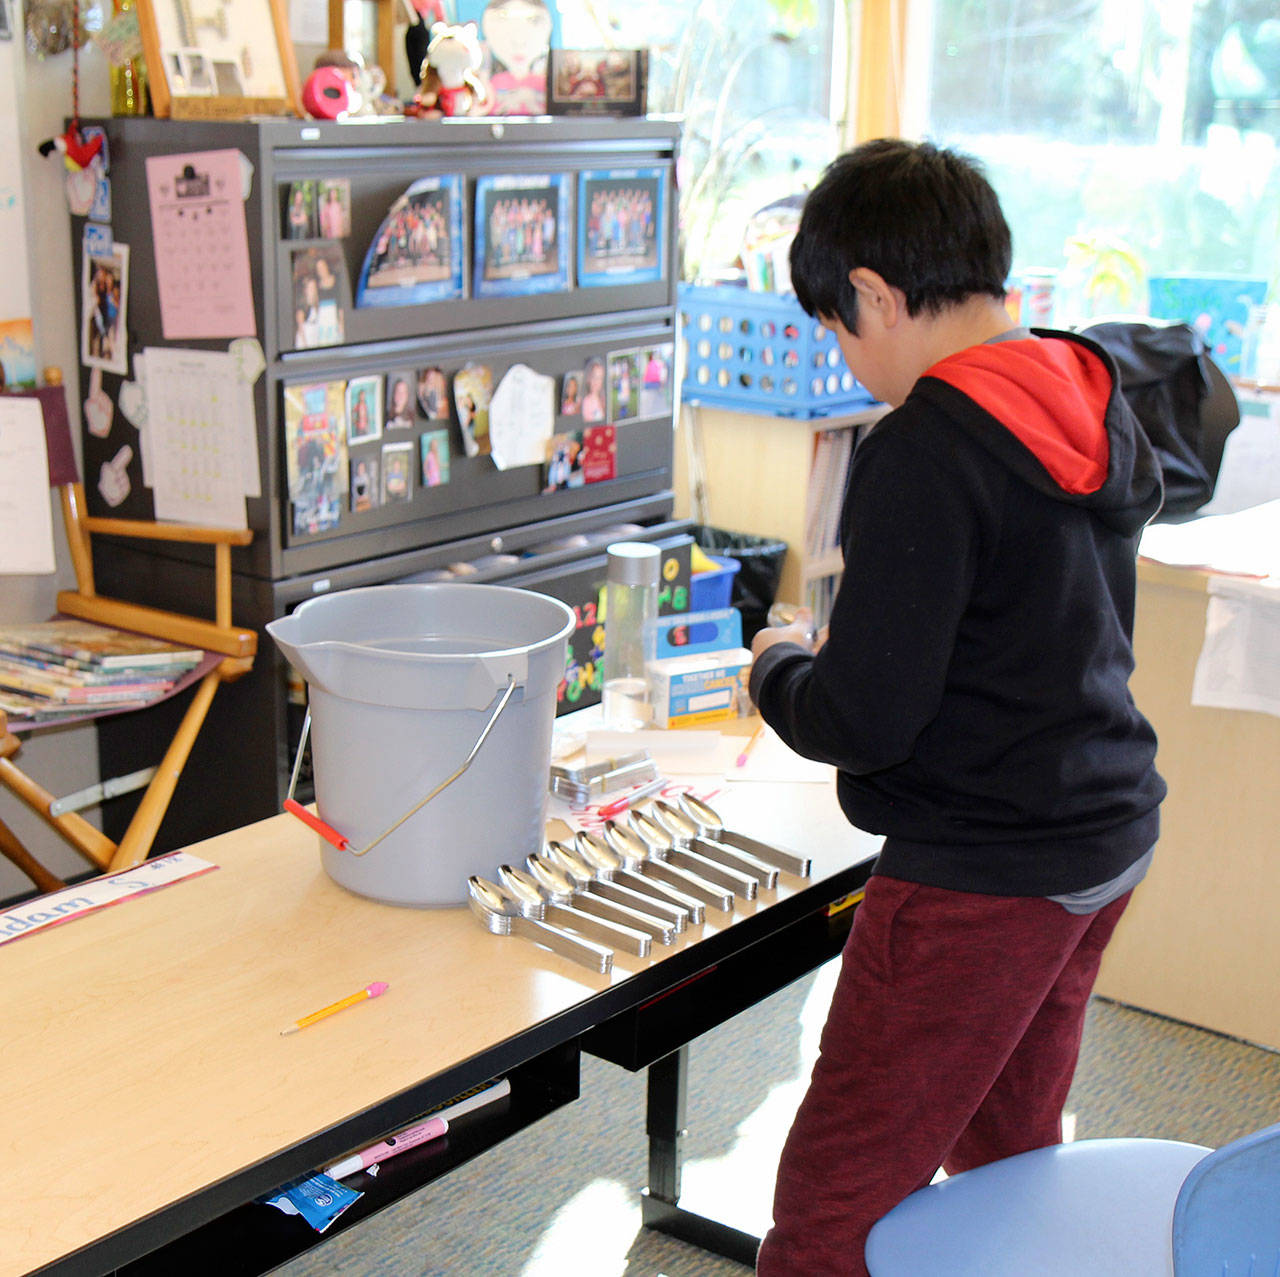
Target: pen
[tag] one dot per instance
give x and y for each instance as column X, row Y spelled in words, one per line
column 431, row 1129
column 750, row 745
column 619, row 805
column 435, row 1126
column 374, row 990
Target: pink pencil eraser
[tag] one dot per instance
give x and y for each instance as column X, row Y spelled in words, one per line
column 376, row 989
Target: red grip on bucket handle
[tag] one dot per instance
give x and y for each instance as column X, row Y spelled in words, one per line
column 327, row 832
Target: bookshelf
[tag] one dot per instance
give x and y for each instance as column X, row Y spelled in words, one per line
column 776, row 477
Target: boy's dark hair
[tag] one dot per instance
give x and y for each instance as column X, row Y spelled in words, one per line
column 923, row 218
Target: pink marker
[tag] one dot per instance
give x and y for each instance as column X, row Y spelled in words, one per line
column 431, row 1129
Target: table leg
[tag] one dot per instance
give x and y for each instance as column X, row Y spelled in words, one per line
column 665, row 1126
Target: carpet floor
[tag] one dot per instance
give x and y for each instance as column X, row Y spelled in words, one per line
column 562, row 1198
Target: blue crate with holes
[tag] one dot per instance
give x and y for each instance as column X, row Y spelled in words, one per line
column 759, row 352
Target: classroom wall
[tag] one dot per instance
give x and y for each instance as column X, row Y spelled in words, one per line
column 35, row 99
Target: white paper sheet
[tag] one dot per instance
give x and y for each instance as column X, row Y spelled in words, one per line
column 198, row 429
column 771, row 760
column 1239, row 665
column 1246, row 543
column 522, row 415
column 26, row 520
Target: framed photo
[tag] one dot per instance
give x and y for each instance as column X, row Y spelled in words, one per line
column 319, row 291
column 472, row 394
column 104, row 296
column 571, row 393
column 333, row 208
column 519, row 235
column 624, row 385
column 657, row 396
column 418, row 253
column 315, row 454
column 433, row 394
column 364, row 409
column 365, row 492
column 397, row 472
column 622, row 220
column 434, row 447
column 597, row 81
column 300, row 211
column 401, row 414
column 594, row 405
column 228, row 60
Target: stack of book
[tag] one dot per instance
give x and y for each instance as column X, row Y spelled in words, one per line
column 62, row 669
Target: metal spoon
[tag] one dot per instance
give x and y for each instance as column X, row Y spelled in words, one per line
column 575, row 919
column 711, row 826
column 501, row 916
column 561, row 877
column 645, row 915
column 664, row 847
column 635, row 853
column 613, row 882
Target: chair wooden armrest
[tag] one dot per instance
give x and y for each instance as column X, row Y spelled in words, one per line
column 173, row 627
column 159, row 531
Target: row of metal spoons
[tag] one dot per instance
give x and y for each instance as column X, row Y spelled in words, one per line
column 644, row 880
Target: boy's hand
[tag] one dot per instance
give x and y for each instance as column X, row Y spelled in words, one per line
column 800, row 631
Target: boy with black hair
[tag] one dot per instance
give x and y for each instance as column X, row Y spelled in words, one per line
column 972, row 693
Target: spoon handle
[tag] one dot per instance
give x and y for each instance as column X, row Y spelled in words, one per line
column 594, row 956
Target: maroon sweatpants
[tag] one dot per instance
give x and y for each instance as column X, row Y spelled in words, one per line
column 952, row 1038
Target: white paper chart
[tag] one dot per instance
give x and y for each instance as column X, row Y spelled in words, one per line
column 26, row 522
column 195, row 427
column 201, row 245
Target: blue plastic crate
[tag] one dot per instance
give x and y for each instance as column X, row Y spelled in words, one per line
column 713, row 588
column 759, row 352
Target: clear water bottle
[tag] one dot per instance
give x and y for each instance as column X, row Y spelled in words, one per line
column 631, row 607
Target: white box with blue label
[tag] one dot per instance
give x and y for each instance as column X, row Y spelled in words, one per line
column 699, row 672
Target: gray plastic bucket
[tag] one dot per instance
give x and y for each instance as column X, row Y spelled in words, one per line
column 402, row 682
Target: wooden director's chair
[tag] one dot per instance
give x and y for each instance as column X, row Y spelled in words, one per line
column 229, row 653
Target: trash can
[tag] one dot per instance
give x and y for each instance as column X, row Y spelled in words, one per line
column 755, row 586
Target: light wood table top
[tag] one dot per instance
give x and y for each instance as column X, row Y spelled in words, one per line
column 143, row 1059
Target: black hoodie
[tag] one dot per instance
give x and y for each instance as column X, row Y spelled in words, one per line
column 973, row 692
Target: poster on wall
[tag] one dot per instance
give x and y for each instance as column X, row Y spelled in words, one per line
column 519, row 235
column 417, row 254
column 17, row 353
column 104, row 288
column 621, row 226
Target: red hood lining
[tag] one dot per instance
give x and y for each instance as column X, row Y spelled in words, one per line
column 1052, row 395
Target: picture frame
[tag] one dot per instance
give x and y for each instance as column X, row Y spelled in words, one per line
column 597, row 81
column 104, row 292
column 319, row 295
column 238, row 63
column 364, row 409
column 520, row 246
column 418, row 254
column 622, row 226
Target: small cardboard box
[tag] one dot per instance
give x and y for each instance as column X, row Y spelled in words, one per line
column 704, row 687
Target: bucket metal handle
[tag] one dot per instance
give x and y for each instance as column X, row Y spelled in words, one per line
column 331, row 835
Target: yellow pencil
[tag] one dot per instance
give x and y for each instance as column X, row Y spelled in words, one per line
column 750, row 745
column 374, row 990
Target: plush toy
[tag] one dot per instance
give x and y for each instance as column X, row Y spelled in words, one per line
column 450, row 83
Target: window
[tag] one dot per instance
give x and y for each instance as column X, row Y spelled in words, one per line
column 753, row 81
column 1128, row 139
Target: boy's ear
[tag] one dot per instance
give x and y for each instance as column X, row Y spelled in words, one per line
column 878, row 296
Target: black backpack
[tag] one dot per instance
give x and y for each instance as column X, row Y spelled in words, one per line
column 1182, row 399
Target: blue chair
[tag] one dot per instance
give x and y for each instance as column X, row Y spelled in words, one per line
column 1096, row 1208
